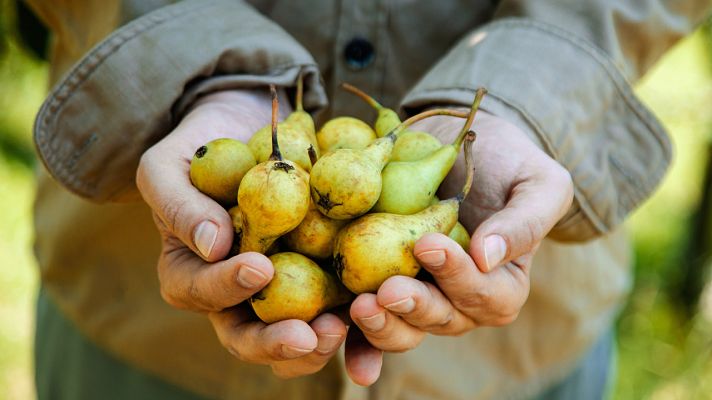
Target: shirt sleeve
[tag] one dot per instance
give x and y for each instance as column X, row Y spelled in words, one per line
column 129, row 90
column 561, row 71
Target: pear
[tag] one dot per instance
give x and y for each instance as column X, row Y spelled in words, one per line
column 218, row 167
column 414, row 145
column 345, row 133
column 300, row 289
column 409, row 186
column 460, row 235
column 296, row 133
column 346, row 183
column 273, row 196
column 377, row 246
column 315, row 236
column 411, row 145
column 236, row 216
column 387, row 119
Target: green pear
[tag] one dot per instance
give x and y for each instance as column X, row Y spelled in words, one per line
column 409, row 186
column 377, row 246
column 346, row 183
column 414, row 145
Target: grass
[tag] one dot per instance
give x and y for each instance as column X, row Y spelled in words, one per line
column 660, row 355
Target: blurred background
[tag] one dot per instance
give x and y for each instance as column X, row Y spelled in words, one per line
column 664, row 332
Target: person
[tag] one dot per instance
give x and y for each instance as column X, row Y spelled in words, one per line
column 565, row 151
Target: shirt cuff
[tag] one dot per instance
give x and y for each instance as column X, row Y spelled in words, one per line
column 574, row 102
column 129, row 91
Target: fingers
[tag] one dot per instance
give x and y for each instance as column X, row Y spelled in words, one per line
column 331, row 333
column 188, row 282
column 493, row 299
column 292, row 348
column 363, row 361
column 199, row 222
column 532, row 210
column 422, row 305
column 256, row 342
column 383, row 329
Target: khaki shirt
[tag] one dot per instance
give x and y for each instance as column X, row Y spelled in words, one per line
column 126, row 70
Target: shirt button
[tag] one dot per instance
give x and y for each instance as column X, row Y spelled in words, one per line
column 359, row 53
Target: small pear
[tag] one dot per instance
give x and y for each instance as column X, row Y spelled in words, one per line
column 377, row 246
column 296, row 134
column 345, row 133
column 315, row 236
column 387, row 119
column 411, row 145
column 236, row 216
column 459, row 234
column 346, row 183
column 218, row 167
column 273, row 196
column 414, row 145
column 300, row 289
column 409, row 186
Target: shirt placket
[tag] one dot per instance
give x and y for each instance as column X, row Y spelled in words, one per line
column 360, row 54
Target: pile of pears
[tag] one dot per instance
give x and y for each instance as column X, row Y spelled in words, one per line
column 337, row 211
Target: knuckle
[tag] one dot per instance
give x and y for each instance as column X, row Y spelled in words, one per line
column 172, row 300
column 173, row 212
column 505, row 319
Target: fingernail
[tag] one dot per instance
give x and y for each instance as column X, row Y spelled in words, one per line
column 374, row 323
column 294, row 352
column 495, row 250
column 434, row 258
column 250, row 278
column 402, row 306
column 328, row 343
column 204, row 237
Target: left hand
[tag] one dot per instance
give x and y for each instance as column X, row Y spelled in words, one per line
column 519, row 194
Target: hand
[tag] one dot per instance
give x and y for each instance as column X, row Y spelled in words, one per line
column 197, row 234
column 519, row 194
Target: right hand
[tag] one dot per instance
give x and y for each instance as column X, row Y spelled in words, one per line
column 197, row 234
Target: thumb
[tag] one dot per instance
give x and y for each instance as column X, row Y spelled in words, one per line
column 198, row 221
column 534, row 206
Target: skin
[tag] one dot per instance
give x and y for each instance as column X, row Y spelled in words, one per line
column 519, row 195
column 193, row 272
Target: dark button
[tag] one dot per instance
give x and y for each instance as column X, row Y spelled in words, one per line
column 359, row 53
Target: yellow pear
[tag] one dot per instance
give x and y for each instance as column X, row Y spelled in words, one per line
column 218, row 166
column 300, row 289
column 273, row 196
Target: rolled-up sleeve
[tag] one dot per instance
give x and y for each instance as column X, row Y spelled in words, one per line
column 128, row 91
column 561, row 71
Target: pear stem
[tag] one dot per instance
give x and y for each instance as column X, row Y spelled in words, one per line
column 276, row 154
column 360, row 93
column 395, row 132
column 312, row 154
column 469, row 164
column 479, row 95
column 300, row 92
